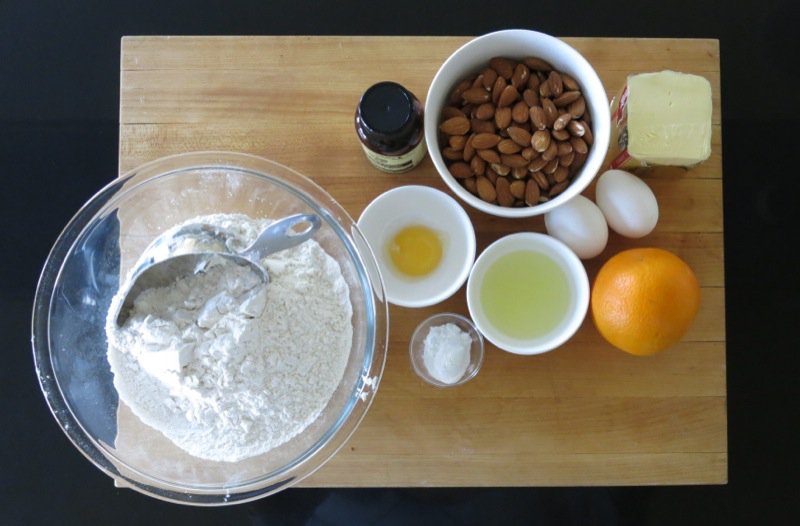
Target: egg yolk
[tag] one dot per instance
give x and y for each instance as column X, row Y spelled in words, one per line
column 415, row 250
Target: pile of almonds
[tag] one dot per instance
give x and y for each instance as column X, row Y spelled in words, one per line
column 517, row 133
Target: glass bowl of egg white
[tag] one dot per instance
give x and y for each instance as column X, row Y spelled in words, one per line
column 446, row 350
column 217, row 388
column 424, row 243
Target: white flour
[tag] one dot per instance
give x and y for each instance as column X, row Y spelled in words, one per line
column 227, row 368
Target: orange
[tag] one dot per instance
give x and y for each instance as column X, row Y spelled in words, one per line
column 644, row 300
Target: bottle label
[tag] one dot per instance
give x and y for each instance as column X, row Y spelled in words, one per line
column 397, row 163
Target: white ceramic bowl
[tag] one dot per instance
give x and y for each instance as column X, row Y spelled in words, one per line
column 473, row 56
column 577, row 286
column 420, row 205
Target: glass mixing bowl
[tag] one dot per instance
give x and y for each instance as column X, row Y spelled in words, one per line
column 82, row 274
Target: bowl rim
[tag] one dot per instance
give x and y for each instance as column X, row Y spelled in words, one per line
column 465, row 226
column 601, row 121
column 363, row 391
column 572, row 266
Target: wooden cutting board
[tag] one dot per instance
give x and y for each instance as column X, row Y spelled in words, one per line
column 584, row 414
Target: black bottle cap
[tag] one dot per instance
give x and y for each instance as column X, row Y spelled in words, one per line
column 387, row 109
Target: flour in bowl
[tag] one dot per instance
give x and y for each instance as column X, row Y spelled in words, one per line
column 226, row 367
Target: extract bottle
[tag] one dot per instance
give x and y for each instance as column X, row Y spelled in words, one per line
column 388, row 123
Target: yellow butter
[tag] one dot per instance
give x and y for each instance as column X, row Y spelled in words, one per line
column 662, row 118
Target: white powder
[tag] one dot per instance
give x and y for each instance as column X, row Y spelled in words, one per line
column 228, row 368
column 446, row 352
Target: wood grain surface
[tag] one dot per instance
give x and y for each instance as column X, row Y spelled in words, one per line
column 584, row 414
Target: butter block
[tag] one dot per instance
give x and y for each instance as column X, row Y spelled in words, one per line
column 662, row 118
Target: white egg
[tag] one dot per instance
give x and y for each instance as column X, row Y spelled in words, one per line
column 629, row 205
column 580, row 225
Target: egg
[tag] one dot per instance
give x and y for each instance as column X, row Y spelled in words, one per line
column 415, row 250
column 629, row 205
column 580, row 225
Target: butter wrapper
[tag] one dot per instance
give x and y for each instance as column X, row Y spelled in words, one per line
column 661, row 118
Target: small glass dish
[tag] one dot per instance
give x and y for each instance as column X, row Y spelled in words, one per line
column 416, row 348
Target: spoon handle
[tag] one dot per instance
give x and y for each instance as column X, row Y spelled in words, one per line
column 282, row 234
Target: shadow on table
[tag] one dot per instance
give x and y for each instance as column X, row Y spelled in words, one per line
column 422, row 507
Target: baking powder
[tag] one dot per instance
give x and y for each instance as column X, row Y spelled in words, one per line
column 446, row 352
column 226, row 367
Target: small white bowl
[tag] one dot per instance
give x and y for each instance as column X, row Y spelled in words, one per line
column 472, row 57
column 416, row 347
column 409, row 205
column 577, row 285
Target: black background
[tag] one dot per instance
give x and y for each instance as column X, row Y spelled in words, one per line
column 59, row 86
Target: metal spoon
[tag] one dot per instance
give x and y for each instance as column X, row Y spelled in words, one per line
column 188, row 250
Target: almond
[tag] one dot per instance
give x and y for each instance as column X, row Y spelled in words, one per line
column 569, row 82
column 566, row 98
column 557, row 188
column 486, row 190
column 564, row 148
column 561, row 121
column 537, row 164
column 588, row 136
column 537, row 64
column 455, row 126
column 566, row 159
column 560, row 174
column 541, row 180
column 451, row 111
column 550, row 112
column 499, row 169
column 490, row 156
column 477, row 165
column 469, row 151
column 576, row 128
column 540, row 140
column 481, row 141
column 499, row 85
column 457, row 142
column 508, row 146
column 532, row 193
column 460, row 170
column 519, row 172
column 455, row 95
column 451, row 154
column 533, row 83
column 485, row 111
column 544, row 90
column 477, row 95
column 519, row 113
column 508, row 96
column 513, row 160
column 551, row 152
column 529, row 153
column 517, row 189
column 503, row 66
column 579, row 145
column 519, row 135
column 519, row 79
column 577, row 108
column 561, row 135
column 489, row 76
column 503, row 188
column 502, row 117
column 479, row 126
column 538, row 118
column 556, row 84
column 551, row 167
column 470, row 184
column 530, row 97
